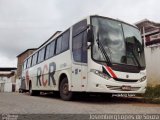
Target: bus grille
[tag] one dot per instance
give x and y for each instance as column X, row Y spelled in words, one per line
column 125, row 80
column 119, row 88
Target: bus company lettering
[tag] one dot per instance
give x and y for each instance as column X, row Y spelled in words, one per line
column 46, row 69
column 44, row 82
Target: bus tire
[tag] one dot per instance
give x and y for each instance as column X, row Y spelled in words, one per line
column 20, row 90
column 65, row 94
column 32, row 92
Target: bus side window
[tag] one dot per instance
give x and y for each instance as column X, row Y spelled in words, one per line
column 79, row 42
column 84, row 47
column 41, row 54
column 58, row 45
column 79, row 48
column 29, row 62
column 25, row 65
column 50, row 50
column 47, row 51
column 65, row 41
column 34, row 59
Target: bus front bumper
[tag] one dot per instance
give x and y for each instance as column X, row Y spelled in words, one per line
column 98, row 84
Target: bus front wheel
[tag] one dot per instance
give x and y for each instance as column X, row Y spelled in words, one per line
column 65, row 94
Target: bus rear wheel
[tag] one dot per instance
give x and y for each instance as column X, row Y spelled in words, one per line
column 33, row 92
column 65, row 94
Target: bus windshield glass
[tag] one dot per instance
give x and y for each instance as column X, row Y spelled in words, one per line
column 122, row 42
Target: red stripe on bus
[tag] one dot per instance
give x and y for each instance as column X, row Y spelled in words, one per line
column 111, row 72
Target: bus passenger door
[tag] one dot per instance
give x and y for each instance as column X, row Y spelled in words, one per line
column 79, row 65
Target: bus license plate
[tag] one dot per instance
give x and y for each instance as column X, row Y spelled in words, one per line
column 126, row 88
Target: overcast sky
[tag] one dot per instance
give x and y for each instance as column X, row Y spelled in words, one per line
column 28, row 23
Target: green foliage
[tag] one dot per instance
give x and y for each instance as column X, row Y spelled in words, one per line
column 152, row 92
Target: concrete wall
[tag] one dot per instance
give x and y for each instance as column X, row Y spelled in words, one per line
column 18, row 84
column 5, row 84
column 20, row 61
column 8, row 87
column 152, row 55
column 2, row 87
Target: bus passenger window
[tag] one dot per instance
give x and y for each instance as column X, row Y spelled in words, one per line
column 58, row 45
column 52, row 49
column 34, row 59
column 79, row 48
column 65, row 41
column 29, row 62
column 25, row 65
column 41, row 55
column 47, row 51
column 79, row 42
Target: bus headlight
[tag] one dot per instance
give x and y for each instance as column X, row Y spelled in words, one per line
column 99, row 73
column 143, row 79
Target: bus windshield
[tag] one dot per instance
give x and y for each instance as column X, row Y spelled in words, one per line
column 122, row 42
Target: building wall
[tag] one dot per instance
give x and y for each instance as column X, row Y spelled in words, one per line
column 151, row 32
column 152, row 55
column 18, row 84
column 5, row 84
column 13, row 78
column 21, row 58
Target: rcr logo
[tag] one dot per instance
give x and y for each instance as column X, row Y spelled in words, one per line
column 41, row 72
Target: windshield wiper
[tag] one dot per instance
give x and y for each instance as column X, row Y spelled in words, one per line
column 100, row 46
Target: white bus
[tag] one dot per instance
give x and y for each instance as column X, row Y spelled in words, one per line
column 97, row 54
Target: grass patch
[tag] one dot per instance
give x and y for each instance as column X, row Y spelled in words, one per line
column 152, row 92
column 152, row 100
column 152, row 95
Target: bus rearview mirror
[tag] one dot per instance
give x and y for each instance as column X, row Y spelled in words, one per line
column 90, row 35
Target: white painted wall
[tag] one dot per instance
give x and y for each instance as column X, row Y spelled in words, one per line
column 1, row 87
column 18, row 84
column 8, row 87
column 6, row 84
column 152, row 55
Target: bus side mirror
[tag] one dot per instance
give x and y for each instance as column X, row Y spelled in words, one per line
column 90, row 34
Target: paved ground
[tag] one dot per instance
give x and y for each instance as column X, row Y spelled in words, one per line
column 18, row 103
